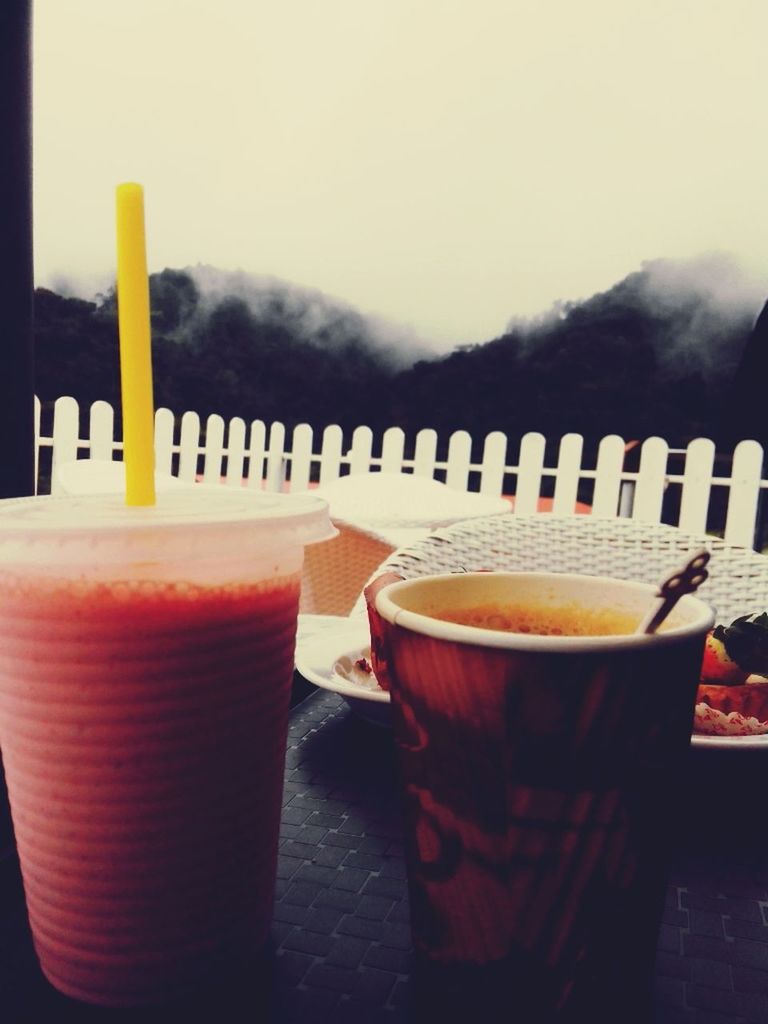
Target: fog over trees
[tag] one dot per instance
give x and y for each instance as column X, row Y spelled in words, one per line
column 658, row 353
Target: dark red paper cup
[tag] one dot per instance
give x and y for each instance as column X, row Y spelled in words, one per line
column 540, row 782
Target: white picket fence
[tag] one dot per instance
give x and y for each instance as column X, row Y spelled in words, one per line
column 259, row 455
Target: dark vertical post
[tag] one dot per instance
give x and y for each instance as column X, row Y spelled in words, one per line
column 16, row 283
column 16, row 273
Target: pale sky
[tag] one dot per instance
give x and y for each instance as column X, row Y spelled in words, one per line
column 446, row 164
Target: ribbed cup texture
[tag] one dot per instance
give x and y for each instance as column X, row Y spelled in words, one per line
column 143, row 730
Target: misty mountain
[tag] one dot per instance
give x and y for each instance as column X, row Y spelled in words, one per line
column 214, row 353
column 693, row 308
column 309, row 314
column 657, row 353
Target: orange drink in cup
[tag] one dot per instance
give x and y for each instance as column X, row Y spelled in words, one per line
column 540, row 744
column 146, row 662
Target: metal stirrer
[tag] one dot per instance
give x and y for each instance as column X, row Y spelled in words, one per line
column 684, row 581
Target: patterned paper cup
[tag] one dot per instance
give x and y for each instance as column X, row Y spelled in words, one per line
column 146, row 658
column 539, row 776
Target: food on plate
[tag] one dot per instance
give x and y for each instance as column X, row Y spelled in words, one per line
column 718, row 666
column 732, row 698
column 354, row 668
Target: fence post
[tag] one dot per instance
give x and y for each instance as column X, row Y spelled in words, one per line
column 494, row 463
column 164, row 429
column 189, row 444
column 529, row 472
column 651, row 480
column 361, row 450
column 425, row 454
column 697, row 485
column 301, row 456
column 235, row 452
column 214, row 449
column 256, row 453
column 741, row 518
column 568, row 474
column 101, row 429
column 392, row 450
column 330, row 454
column 459, row 460
column 608, row 477
column 66, row 429
column 276, row 458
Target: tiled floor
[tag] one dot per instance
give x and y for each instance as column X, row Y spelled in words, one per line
column 341, row 926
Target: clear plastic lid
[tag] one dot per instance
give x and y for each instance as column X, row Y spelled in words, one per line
column 219, row 518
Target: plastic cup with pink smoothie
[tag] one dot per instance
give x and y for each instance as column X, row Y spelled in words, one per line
column 146, row 661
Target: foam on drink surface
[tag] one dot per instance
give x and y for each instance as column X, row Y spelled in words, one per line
column 542, row 620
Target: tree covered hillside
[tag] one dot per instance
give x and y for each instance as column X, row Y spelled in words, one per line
column 209, row 357
column 656, row 354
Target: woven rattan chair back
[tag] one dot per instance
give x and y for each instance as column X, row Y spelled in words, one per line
column 622, row 548
column 336, row 570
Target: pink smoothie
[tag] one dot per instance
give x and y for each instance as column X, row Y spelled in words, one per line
column 143, row 731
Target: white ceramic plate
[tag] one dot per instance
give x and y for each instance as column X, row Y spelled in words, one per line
column 730, row 738
column 326, row 656
column 729, row 742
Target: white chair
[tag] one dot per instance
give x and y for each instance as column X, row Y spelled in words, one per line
column 402, row 507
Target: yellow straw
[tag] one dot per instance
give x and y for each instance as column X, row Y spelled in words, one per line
column 135, row 348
